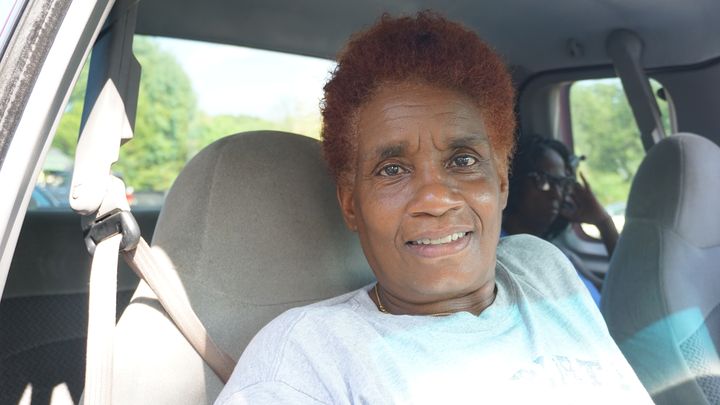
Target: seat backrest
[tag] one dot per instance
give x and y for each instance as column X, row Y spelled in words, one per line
column 253, row 228
column 661, row 298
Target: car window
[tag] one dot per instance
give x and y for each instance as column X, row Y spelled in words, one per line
column 605, row 133
column 53, row 183
column 191, row 94
column 9, row 14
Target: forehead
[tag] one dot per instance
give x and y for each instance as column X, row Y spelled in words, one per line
column 551, row 162
column 397, row 113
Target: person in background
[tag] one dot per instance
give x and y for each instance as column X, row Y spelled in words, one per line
column 545, row 197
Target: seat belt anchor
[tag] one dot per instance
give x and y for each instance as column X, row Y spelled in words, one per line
column 115, row 222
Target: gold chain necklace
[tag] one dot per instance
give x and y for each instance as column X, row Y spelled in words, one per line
column 382, row 308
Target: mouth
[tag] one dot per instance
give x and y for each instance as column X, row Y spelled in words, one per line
column 440, row 241
column 438, row 247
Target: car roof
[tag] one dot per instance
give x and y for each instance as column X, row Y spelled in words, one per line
column 533, row 36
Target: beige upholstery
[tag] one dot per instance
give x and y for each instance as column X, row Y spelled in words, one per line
column 252, row 227
column 661, row 299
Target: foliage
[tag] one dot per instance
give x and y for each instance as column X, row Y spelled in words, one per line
column 604, row 130
column 208, row 128
column 166, row 108
column 169, row 128
column 68, row 129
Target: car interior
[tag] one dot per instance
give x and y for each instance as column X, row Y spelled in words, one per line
column 251, row 226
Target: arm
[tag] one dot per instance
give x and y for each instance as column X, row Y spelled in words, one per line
column 273, row 368
column 589, row 210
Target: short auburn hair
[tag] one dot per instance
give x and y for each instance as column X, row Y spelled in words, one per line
column 427, row 49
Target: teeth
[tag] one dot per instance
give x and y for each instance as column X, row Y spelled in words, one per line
column 446, row 239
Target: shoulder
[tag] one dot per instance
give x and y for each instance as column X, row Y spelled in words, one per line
column 301, row 338
column 297, row 323
column 537, row 262
column 294, row 336
column 525, row 250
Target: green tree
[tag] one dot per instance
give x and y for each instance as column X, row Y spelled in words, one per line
column 208, row 128
column 68, row 129
column 166, row 108
column 604, row 130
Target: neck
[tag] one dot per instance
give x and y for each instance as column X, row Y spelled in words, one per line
column 474, row 302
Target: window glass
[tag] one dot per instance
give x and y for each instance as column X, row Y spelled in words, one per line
column 9, row 13
column 191, row 94
column 605, row 133
column 53, row 184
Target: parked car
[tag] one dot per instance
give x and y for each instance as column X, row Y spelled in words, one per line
column 42, row 199
column 552, row 47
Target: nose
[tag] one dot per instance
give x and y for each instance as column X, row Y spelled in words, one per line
column 435, row 194
column 557, row 190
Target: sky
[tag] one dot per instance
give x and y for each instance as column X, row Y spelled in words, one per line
column 235, row 80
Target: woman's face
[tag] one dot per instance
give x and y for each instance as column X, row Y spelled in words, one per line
column 542, row 197
column 427, row 196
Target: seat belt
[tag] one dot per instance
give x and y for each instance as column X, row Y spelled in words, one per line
column 160, row 276
column 107, row 223
column 101, row 322
column 625, row 48
column 161, row 280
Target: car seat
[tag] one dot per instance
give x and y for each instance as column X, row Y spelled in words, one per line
column 661, row 297
column 252, row 228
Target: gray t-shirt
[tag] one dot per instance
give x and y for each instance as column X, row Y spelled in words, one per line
column 541, row 341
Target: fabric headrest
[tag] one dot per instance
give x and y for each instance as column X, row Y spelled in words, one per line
column 691, row 164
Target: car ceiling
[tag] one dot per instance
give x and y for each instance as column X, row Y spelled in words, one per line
column 532, row 35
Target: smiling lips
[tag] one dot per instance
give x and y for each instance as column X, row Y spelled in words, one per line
column 447, row 239
column 440, row 247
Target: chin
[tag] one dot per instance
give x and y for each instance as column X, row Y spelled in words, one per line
column 450, row 284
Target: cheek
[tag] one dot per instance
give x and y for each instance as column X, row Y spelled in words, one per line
column 378, row 224
column 380, row 213
column 488, row 199
column 530, row 198
column 486, row 204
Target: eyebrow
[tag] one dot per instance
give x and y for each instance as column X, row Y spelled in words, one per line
column 394, row 150
column 469, row 141
column 386, row 151
column 390, row 151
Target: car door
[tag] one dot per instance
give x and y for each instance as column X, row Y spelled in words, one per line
column 41, row 61
column 43, row 44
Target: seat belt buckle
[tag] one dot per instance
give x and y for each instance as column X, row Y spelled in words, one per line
column 115, row 222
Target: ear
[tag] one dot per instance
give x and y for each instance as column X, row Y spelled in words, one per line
column 504, row 189
column 347, row 205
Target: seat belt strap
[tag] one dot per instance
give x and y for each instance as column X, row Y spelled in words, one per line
column 625, row 48
column 101, row 322
column 159, row 274
column 163, row 280
column 108, row 225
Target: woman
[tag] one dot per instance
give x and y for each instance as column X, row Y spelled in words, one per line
column 545, row 197
column 418, row 127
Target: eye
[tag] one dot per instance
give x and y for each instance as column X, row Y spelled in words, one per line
column 391, row 170
column 463, row 161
